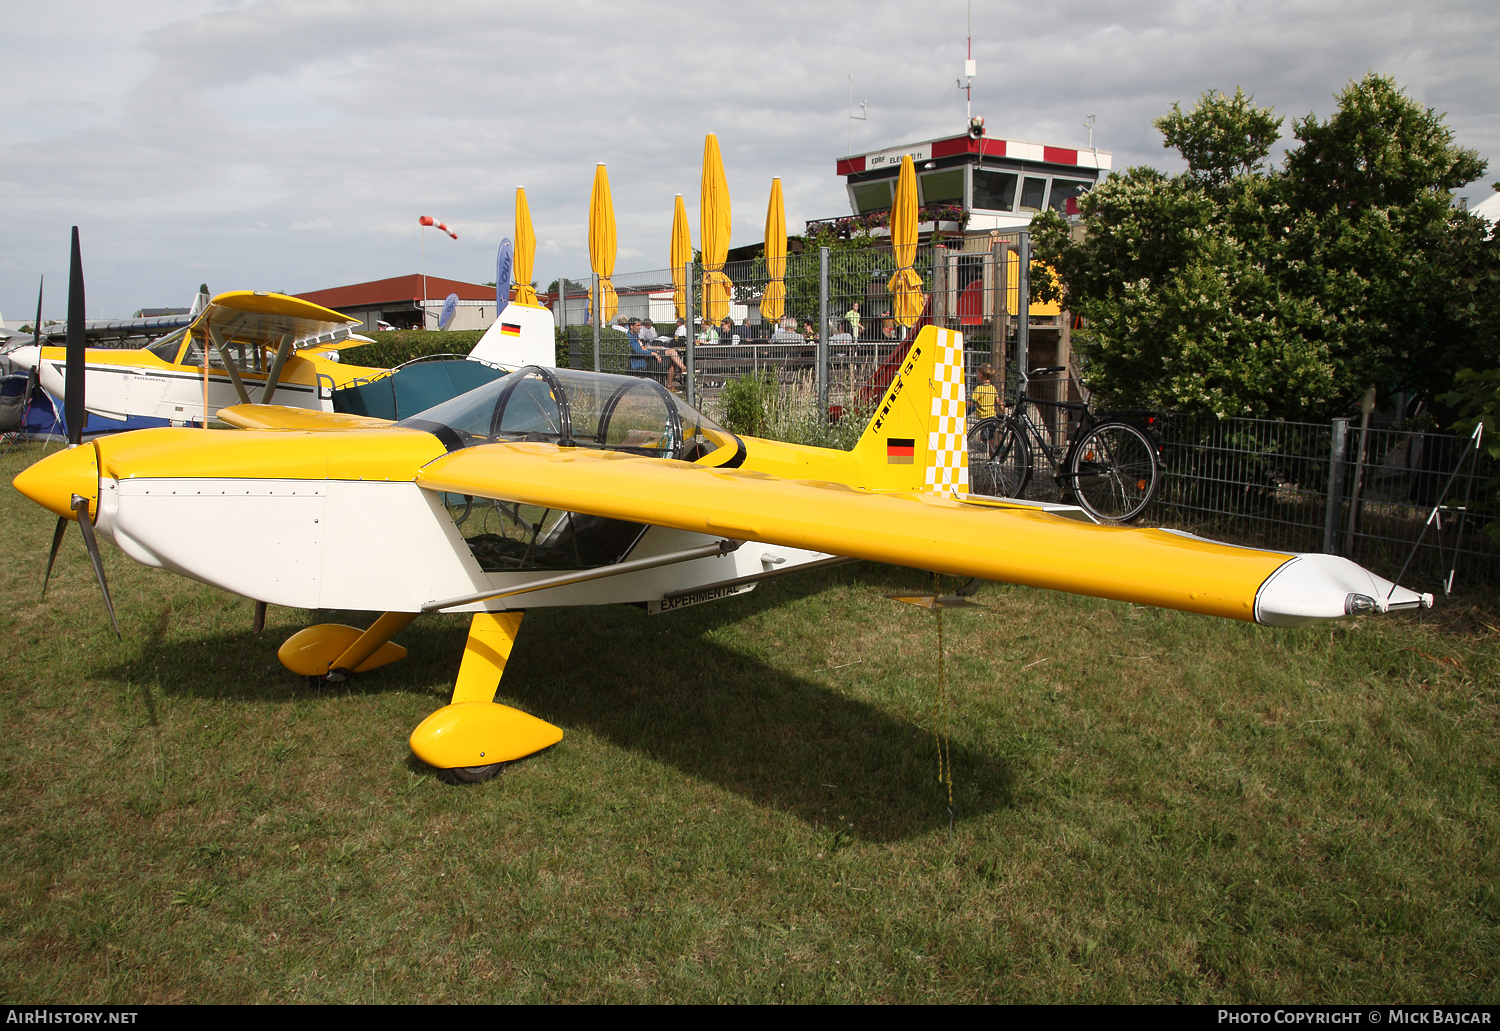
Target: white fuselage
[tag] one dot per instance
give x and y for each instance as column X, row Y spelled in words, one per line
column 373, row 546
column 174, row 394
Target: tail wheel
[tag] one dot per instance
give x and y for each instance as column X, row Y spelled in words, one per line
column 1113, row 471
column 999, row 460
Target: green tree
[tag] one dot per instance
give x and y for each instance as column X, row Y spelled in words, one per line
column 1222, row 139
column 1239, row 289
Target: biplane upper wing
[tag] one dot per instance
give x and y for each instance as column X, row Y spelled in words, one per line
column 1015, row 545
column 254, row 315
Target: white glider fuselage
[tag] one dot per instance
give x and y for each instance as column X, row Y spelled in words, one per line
column 374, row 545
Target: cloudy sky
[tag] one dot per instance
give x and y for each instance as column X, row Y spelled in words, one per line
column 292, row 144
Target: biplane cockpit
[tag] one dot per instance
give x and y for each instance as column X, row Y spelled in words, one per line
column 568, row 408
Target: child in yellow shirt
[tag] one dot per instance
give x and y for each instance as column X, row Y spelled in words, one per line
column 985, row 398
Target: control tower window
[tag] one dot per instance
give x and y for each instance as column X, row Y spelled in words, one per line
column 1062, row 189
column 945, row 187
column 874, row 196
column 1033, row 194
column 994, row 191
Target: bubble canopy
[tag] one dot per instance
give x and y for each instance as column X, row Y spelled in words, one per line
column 572, row 408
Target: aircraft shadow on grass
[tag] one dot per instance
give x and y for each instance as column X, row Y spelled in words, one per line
column 773, row 737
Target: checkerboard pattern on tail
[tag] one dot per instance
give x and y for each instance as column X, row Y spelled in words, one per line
column 947, row 452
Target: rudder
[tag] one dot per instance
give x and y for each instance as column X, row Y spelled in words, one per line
column 915, row 441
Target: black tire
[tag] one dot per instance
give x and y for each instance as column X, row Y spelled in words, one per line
column 1114, row 472
column 999, row 459
column 471, row 774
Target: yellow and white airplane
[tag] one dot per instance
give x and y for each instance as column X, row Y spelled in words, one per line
column 260, row 347
column 551, row 487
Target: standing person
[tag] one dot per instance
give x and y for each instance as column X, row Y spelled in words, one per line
column 985, row 400
column 852, row 317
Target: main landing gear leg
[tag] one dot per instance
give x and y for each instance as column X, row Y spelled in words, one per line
column 473, row 737
column 331, row 651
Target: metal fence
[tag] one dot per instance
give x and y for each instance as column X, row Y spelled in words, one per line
column 1366, row 494
column 1370, row 495
column 836, row 322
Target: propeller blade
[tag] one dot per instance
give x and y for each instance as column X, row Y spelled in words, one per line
column 74, row 412
column 57, row 536
column 36, row 327
column 81, row 506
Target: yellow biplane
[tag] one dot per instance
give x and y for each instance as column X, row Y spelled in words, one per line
column 548, row 487
column 249, row 346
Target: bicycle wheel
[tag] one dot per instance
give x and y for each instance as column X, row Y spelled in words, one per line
column 1113, row 471
column 999, row 460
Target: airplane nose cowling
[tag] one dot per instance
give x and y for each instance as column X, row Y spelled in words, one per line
column 54, row 480
column 25, row 357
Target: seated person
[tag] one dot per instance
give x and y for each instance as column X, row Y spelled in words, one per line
column 640, row 352
column 842, row 335
column 787, row 334
column 889, row 331
column 727, row 334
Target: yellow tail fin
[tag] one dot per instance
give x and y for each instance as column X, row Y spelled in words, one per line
column 916, row 440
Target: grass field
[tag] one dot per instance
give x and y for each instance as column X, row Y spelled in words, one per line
column 1151, row 806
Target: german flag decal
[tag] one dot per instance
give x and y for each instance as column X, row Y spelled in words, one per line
column 900, row 450
column 509, row 329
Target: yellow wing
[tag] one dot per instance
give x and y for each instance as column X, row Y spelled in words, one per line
column 252, row 315
column 1012, row 544
column 282, row 417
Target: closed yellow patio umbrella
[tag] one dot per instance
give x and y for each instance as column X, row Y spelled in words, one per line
column 602, row 245
column 774, row 300
column 905, row 285
column 525, row 257
column 681, row 255
column 713, row 231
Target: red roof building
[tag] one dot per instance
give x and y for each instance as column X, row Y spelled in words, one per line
column 399, row 301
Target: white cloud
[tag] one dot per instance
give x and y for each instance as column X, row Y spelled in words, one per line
column 179, row 131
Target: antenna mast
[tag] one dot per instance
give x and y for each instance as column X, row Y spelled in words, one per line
column 862, row 116
column 969, row 65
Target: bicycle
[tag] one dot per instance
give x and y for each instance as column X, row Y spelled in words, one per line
column 1112, row 468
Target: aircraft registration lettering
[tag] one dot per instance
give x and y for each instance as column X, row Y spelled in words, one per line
column 682, row 601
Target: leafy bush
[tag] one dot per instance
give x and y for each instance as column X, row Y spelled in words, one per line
column 395, row 347
column 757, row 405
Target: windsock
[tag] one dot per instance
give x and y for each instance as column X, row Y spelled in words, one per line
column 428, row 220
